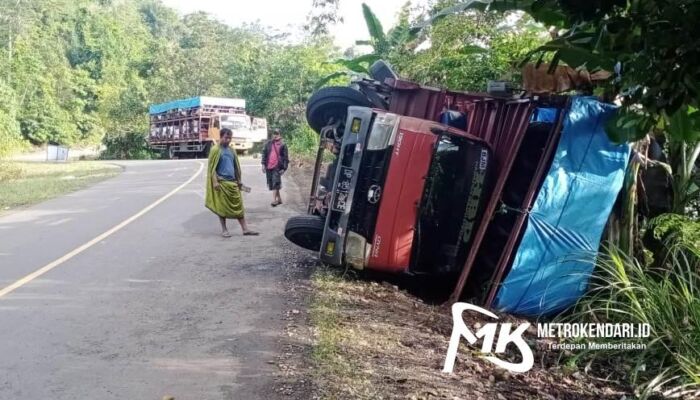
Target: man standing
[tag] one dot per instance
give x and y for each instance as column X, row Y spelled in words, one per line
column 275, row 159
column 223, row 195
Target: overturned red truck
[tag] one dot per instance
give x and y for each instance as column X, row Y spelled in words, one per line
column 426, row 181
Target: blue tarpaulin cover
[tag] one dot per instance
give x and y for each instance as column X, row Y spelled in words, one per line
column 557, row 253
column 195, row 102
column 544, row 114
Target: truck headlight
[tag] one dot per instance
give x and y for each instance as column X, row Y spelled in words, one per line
column 356, row 250
column 382, row 130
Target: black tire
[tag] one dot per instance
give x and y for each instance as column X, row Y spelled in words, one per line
column 332, row 103
column 305, row 231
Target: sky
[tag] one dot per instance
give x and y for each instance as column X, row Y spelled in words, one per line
column 289, row 15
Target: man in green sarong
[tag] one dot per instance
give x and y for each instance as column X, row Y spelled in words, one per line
column 224, row 185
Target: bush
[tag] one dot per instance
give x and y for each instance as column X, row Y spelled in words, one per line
column 302, row 141
column 10, row 138
column 670, row 228
column 129, row 146
column 10, row 171
column 676, row 228
column 668, row 299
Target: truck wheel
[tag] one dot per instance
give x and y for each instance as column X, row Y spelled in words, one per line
column 305, row 231
column 332, row 103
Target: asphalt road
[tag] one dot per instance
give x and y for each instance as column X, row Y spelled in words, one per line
column 161, row 306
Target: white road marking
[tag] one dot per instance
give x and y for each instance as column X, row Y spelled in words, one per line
column 48, row 267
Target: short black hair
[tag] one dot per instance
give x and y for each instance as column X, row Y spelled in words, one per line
column 276, row 131
column 225, row 131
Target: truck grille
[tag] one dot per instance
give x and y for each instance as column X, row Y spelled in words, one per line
column 363, row 215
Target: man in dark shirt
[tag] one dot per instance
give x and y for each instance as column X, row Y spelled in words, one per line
column 224, row 185
column 275, row 160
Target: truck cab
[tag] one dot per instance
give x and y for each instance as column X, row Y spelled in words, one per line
column 402, row 194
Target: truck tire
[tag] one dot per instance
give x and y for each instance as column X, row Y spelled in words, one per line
column 305, row 231
column 332, row 103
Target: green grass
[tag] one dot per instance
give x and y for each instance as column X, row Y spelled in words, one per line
column 329, row 354
column 665, row 297
column 25, row 183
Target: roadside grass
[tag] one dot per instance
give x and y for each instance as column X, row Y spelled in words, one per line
column 373, row 340
column 328, row 357
column 25, row 183
column 667, row 298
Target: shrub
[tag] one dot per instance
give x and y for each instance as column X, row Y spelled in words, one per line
column 302, row 141
column 129, row 146
column 10, row 171
column 668, row 299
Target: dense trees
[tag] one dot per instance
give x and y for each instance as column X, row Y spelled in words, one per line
column 84, row 71
column 469, row 49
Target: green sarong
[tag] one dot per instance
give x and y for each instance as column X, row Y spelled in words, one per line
column 227, row 201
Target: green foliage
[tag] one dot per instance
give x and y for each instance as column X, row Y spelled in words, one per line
column 277, row 79
column 303, row 141
column 77, row 72
column 10, row 139
column 378, row 39
column 676, row 228
column 652, row 42
column 465, row 51
column 469, row 48
column 127, row 146
column 668, row 299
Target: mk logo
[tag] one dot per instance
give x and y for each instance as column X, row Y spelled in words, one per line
column 488, row 333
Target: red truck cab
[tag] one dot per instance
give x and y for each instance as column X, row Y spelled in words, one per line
column 405, row 194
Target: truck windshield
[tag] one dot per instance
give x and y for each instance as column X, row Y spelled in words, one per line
column 235, row 122
column 451, row 198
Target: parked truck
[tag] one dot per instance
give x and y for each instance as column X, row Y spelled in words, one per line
column 189, row 127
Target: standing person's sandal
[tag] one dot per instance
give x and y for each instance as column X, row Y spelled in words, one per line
column 250, row 233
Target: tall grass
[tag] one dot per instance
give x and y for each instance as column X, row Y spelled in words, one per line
column 666, row 297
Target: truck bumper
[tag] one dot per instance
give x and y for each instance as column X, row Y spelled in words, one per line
column 241, row 144
column 344, row 184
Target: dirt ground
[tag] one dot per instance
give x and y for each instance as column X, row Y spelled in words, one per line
column 354, row 338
